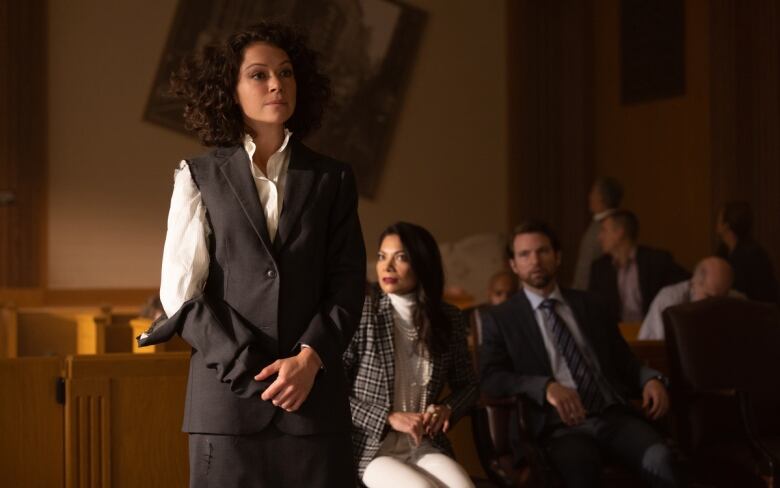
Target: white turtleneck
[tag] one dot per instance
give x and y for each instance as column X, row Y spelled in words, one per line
column 403, row 309
column 412, row 367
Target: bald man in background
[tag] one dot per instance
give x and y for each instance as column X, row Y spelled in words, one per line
column 713, row 277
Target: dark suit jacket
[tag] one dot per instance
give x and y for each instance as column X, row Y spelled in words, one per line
column 514, row 361
column 754, row 274
column 370, row 365
column 262, row 300
column 657, row 269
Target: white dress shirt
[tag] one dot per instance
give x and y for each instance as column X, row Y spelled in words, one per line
column 653, row 326
column 185, row 262
column 560, row 369
column 669, row 296
column 629, row 290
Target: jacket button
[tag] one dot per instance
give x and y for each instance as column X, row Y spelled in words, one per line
column 270, row 274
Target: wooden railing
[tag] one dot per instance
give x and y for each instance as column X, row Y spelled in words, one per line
column 60, row 331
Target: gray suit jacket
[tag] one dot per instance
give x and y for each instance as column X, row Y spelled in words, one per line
column 262, row 300
column 370, row 365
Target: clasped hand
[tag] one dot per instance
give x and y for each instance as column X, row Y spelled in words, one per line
column 295, row 378
column 655, row 402
column 435, row 419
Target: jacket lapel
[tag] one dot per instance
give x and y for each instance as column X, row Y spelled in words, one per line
column 529, row 327
column 239, row 177
column 386, row 347
column 580, row 316
column 300, row 178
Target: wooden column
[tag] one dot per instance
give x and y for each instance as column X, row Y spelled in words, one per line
column 23, row 149
column 550, row 76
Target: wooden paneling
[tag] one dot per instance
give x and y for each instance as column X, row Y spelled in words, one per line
column 31, row 423
column 745, row 108
column 9, row 332
column 87, row 433
column 123, row 419
column 23, row 136
column 549, row 74
column 113, row 296
column 22, row 297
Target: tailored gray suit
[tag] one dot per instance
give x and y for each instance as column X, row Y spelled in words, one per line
column 262, row 300
column 370, row 365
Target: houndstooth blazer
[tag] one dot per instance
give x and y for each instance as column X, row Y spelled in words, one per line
column 370, row 367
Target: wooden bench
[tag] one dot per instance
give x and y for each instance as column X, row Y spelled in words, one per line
column 59, row 331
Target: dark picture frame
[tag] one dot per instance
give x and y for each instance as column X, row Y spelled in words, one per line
column 367, row 48
column 652, row 50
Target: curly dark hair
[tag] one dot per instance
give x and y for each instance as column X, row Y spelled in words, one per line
column 207, row 83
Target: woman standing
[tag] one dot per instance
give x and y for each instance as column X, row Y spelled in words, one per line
column 408, row 346
column 263, row 269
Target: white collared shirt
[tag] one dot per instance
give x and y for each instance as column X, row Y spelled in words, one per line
column 603, row 215
column 185, row 263
column 270, row 187
column 653, row 326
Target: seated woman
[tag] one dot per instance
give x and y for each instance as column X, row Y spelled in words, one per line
column 408, row 345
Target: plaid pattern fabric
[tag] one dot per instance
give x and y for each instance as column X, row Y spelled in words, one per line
column 369, row 363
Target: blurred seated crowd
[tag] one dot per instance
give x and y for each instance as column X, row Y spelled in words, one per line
column 586, row 399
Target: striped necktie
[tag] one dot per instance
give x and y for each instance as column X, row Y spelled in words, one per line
column 591, row 396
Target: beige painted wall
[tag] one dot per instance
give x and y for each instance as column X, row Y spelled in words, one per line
column 659, row 150
column 111, row 173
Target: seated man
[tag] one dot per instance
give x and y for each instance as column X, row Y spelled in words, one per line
column 501, row 286
column 711, row 278
column 562, row 352
column 629, row 276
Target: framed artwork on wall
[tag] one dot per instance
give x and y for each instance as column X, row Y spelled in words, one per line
column 652, row 50
column 367, row 48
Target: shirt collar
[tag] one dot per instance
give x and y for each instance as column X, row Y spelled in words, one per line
column 274, row 166
column 536, row 299
column 629, row 263
column 603, row 215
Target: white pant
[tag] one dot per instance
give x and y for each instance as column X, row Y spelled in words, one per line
column 424, row 467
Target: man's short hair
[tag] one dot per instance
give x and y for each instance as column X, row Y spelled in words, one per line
column 739, row 218
column 532, row 226
column 611, row 191
column 626, row 220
